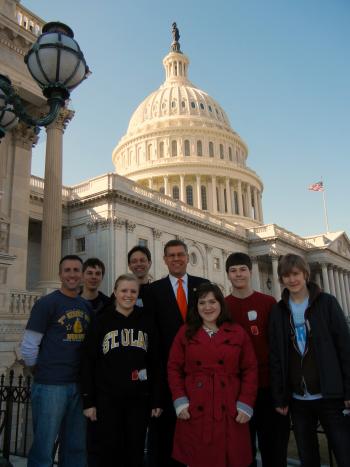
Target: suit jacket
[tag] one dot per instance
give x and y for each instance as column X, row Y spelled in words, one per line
column 167, row 313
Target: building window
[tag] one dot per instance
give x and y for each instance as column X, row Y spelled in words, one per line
column 217, row 199
column 173, row 104
column 225, row 199
column 161, row 190
column 216, row 264
column 189, row 195
column 174, row 148
column 199, row 148
column 143, row 242
column 211, row 149
column 235, row 201
column 193, row 105
column 176, row 192
column 80, row 245
column 193, row 259
column 230, row 153
column 149, row 152
column 210, row 109
column 201, row 106
column 187, row 148
column 204, row 197
column 161, row 149
column 183, row 104
column 221, row 151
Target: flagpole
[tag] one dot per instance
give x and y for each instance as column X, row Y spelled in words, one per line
column 325, row 207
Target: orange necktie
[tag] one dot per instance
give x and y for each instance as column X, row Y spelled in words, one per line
column 181, row 299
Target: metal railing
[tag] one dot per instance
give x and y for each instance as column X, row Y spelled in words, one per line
column 15, row 416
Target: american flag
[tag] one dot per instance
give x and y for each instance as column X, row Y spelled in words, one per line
column 318, row 186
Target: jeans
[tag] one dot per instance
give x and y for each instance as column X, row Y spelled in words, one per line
column 57, row 415
column 336, row 425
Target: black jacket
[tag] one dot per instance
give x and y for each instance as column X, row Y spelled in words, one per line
column 328, row 341
column 121, row 357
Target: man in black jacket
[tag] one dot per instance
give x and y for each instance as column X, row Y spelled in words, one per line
column 310, row 363
column 171, row 297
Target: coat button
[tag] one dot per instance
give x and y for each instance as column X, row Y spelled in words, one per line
column 200, row 408
column 221, row 362
column 198, row 362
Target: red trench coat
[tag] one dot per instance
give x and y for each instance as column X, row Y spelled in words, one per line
column 213, row 373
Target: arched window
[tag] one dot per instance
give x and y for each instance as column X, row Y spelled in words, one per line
column 174, row 148
column 187, row 148
column 161, row 149
column 199, row 148
column 189, row 195
column 149, row 152
column 235, row 201
column 176, row 192
column 230, row 153
column 211, row 149
column 161, row 190
column 217, row 199
column 204, row 197
column 221, row 151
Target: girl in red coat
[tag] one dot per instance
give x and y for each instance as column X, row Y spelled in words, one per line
column 212, row 374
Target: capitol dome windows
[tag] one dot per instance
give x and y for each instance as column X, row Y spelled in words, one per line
column 204, row 197
column 210, row 109
column 211, row 149
column 201, row 105
column 221, row 151
column 183, row 104
column 149, row 152
column 230, row 153
column 193, row 105
column 189, row 195
column 199, row 148
column 187, row 148
column 174, row 148
column 176, row 192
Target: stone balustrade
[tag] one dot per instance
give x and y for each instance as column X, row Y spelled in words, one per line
column 22, row 301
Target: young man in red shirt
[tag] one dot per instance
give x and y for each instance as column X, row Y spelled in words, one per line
column 251, row 310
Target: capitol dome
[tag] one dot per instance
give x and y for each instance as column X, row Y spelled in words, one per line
column 180, row 142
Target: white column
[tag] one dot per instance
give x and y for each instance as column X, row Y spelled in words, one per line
column 342, row 292
column 256, row 207
column 222, row 197
column 325, row 277
column 240, row 201
column 255, row 274
column 157, row 255
column 249, row 199
column 182, row 188
column 150, row 183
column 51, row 237
column 228, row 196
column 213, row 191
column 261, row 217
column 198, row 187
column 337, row 287
column 331, row 280
column 276, row 288
column 166, row 185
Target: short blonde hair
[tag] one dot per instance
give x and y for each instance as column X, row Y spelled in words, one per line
column 126, row 277
column 291, row 261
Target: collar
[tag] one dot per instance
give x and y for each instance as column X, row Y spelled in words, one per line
column 174, row 280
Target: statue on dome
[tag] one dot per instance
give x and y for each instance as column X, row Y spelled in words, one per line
column 175, row 45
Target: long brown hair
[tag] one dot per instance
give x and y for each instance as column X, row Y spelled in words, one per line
column 194, row 321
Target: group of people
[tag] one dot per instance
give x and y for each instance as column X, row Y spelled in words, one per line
column 197, row 378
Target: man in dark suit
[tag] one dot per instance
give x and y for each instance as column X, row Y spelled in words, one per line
column 171, row 297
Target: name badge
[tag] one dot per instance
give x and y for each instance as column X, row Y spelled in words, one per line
column 252, row 315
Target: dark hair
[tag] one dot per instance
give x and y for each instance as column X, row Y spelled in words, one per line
column 142, row 249
column 291, row 261
column 236, row 259
column 93, row 263
column 69, row 258
column 175, row 242
column 194, row 321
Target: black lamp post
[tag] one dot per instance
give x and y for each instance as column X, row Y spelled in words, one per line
column 57, row 64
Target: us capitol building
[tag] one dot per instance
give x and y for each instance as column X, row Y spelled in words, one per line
column 180, row 172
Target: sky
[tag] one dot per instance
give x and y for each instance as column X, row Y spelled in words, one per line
column 279, row 68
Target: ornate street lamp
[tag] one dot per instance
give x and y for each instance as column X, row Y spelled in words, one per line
column 57, row 64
